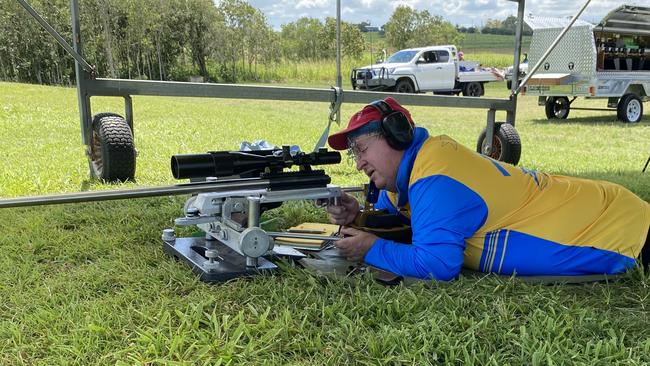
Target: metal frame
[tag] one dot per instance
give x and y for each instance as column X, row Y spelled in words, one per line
column 88, row 85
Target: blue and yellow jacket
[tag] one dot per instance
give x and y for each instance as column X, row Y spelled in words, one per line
column 469, row 210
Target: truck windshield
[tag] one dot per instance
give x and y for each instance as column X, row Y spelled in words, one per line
column 401, row 56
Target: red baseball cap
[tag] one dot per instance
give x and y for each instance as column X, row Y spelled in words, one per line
column 339, row 140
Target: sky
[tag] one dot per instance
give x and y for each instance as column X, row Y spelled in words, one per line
column 461, row 12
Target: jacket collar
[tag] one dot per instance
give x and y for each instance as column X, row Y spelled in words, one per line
column 406, row 165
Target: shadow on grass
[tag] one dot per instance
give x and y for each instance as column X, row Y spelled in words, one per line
column 90, row 183
column 85, row 185
column 611, row 175
column 596, row 120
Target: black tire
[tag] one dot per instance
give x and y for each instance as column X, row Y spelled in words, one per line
column 404, row 86
column 557, row 107
column 473, row 89
column 509, row 84
column 630, row 108
column 112, row 152
column 506, row 145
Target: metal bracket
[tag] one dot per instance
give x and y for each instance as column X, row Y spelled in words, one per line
column 335, row 116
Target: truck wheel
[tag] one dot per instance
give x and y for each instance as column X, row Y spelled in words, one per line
column 404, row 86
column 112, row 153
column 557, row 107
column 473, row 89
column 630, row 108
column 506, row 145
column 509, row 84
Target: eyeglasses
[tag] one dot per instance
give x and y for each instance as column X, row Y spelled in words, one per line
column 357, row 149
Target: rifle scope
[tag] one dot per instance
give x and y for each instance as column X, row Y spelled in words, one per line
column 247, row 163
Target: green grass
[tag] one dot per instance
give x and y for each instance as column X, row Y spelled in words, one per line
column 495, row 43
column 89, row 284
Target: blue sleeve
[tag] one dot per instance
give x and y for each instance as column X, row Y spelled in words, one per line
column 384, row 203
column 444, row 212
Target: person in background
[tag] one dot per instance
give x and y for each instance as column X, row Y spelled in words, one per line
column 468, row 210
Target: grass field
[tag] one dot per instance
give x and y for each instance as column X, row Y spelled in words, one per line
column 495, row 43
column 89, row 284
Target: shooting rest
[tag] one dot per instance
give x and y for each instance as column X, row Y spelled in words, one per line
column 254, row 181
column 234, row 243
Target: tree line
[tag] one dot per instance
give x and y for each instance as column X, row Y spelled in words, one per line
column 496, row 26
column 227, row 41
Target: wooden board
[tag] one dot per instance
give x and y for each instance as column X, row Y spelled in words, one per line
column 550, row 79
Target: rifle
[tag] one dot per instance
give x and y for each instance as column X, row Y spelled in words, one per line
column 234, row 244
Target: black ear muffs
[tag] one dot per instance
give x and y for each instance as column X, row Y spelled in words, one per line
column 395, row 126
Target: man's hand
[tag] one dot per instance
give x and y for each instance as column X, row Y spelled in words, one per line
column 345, row 212
column 356, row 243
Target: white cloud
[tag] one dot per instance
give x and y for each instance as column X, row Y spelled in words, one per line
column 310, row 4
column 452, row 6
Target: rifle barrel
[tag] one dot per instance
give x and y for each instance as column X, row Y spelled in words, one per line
column 119, row 194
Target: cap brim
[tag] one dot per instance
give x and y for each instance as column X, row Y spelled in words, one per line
column 339, row 140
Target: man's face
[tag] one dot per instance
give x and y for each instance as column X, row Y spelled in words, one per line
column 377, row 159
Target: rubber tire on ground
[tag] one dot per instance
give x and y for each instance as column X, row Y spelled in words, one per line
column 506, row 145
column 554, row 107
column 473, row 89
column 630, row 108
column 112, row 152
column 404, row 86
column 509, row 84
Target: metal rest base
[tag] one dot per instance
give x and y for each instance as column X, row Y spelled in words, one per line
column 231, row 265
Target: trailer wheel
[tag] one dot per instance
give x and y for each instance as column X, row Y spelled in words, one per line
column 112, row 152
column 630, row 108
column 557, row 107
column 506, row 145
column 473, row 89
column 404, row 86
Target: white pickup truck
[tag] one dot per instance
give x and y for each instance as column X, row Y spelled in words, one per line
column 427, row 69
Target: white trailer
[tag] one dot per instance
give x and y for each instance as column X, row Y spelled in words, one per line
column 609, row 60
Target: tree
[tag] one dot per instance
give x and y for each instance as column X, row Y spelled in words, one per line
column 202, row 20
column 411, row 28
column 352, row 41
column 300, row 39
column 400, row 27
column 247, row 34
column 363, row 26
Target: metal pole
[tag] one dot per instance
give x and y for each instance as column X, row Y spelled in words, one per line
column 339, row 80
column 519, row 30
column 550, row 48
column 81, row 78
column 489, row 132
column 284, row 234
column 254, row 212
column 56, row 35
